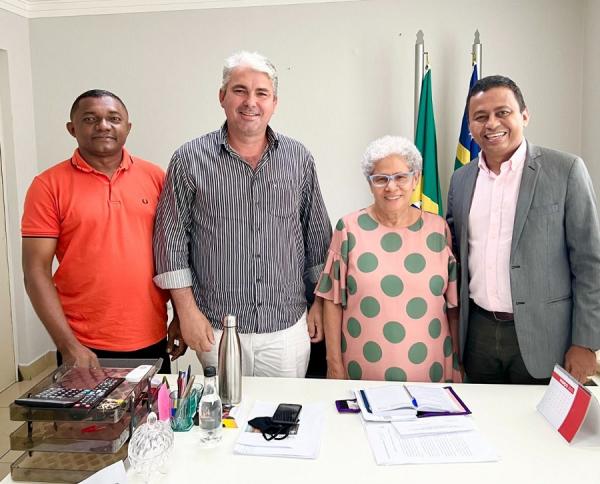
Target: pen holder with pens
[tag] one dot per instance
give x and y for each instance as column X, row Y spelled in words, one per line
column 182, row 410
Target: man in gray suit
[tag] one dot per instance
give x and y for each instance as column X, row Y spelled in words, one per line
column 525, row 230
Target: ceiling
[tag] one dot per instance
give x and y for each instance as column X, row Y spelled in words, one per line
column 67, row 8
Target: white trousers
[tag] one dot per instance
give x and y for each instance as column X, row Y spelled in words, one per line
column 282, row 353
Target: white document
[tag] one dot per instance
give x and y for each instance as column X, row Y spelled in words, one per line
column 305, row 444
column 113, row 474
column 389, row 416
column 388, row 397
column 433, row 399
column 389, row 447
column 435, row 426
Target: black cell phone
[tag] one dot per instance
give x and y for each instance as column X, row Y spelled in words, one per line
column 286, row 413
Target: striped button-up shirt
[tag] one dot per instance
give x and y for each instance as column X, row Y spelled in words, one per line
column 245, row 240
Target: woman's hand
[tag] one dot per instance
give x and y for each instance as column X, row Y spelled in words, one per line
column 332, row 316
column 335, row 371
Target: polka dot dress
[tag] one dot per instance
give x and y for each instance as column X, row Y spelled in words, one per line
column 394, row 286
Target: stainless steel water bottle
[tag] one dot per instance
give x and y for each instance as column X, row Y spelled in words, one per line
column 230, row 363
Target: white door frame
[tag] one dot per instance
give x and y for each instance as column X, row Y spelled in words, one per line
column 4, row 132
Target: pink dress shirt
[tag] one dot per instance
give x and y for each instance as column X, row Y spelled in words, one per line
column 491, row 221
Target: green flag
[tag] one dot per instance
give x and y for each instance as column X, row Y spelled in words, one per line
column 427, row 192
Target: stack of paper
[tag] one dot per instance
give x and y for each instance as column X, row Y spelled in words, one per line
column 389, row 446
column 434, row 426
column 406, row 439
column 305, row 444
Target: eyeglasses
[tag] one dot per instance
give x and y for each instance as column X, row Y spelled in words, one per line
column 401, row 179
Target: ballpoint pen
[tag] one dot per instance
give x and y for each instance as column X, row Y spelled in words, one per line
column 180, row 384
column 413, row 399
column 365, row 401
column 182, row 403
column 189, row 373
column 188, row 387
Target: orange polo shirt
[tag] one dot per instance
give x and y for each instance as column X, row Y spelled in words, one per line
column 103, row 228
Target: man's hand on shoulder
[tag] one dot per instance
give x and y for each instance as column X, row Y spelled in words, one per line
column 580, row 362
column 78, row 355
column 176, row 346
column 314, row 321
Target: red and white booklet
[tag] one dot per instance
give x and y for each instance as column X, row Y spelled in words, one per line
column 571, row 408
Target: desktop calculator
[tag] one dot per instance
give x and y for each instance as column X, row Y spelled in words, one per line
column 61, row 397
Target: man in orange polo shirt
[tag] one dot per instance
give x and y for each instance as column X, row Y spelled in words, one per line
column 95, row 213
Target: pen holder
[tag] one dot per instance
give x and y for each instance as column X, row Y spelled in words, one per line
column 182, row 410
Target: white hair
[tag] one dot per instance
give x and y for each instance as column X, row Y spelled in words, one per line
column 391, row 145
column 254, row 61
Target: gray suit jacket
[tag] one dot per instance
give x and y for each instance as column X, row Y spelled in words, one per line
column 554, row 259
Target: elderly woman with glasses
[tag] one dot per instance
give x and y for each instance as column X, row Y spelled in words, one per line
column 389, row 279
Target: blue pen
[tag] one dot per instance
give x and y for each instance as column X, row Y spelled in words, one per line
column 414, row 400
column 365, row 401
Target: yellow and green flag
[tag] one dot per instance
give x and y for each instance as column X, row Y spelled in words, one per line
column 428, row 191
column 467, row 149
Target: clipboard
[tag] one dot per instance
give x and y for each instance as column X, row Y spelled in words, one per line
column 368, row 415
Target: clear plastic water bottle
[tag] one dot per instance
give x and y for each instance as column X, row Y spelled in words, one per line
column 210, row 410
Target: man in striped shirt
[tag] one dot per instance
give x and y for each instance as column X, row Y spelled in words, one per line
column 242, row 229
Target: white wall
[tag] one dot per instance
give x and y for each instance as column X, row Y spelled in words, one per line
column 19, row 166
column 591, row 93
column 346, row 74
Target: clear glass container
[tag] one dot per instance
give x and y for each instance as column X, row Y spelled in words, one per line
column 151, row 446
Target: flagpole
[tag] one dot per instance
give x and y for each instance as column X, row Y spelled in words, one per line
column 476, row 53
column 419, row 72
